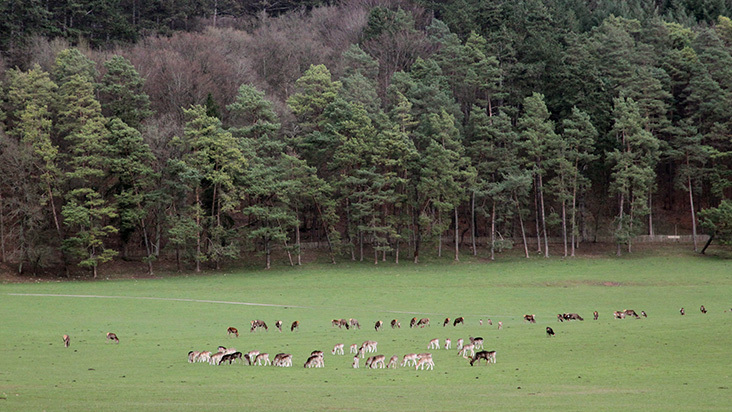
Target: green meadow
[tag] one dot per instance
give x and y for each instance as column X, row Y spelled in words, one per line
column 663, row 362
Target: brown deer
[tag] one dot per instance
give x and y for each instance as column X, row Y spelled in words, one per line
column 112, row 336
column 67, row 341
column 355, row 362
column 377, row 361
column 354, row 349
column 393, row 362
column 549, row 332
column 423, row 322
column 232, row 331
column 262, row 358
column 500, row 325
column 295, row 325
column 278, row 325
column 478, row 342
column 459, row 343
column 461, row 320
column 413, row 322
column 425, row 361
column 595, row 315
column 283, row 360
column 409, row 358
column 395, row 324
column 619, row 315
column 340, row 323
column 354, row 323
column 445, row 322
column 378, row 325
column 703, row 309
column 465, row 349
column 530, row 318
column 338, row 349
column 434, row 344
column 489, row 356
column 256, row 324
column 682, row 311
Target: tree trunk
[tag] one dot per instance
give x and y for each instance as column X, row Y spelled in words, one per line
column 297, row 243
column 521, row 223
column 493, row 231
column 620, row 221
column 327, row 234
column 268, row 258
column 472, row 224
column 198, row 233
column 543, row 217
column 650, row 213
column 572, row 235
column 457, row 244
column 536, row 214
column 564, row 226
column 417, row 237
column 439, row 235
column 360, row 245
column 693, row 215
column 707, row 244
column 2, row 230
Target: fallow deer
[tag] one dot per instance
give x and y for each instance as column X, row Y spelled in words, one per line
column 423, row 322
column 477, row 342
column 283, row 360
column 355, row 362
column 232, row 331
column 67, row 341
column 256, row 324
column 434, row 344
column 369, row 346
column 448, row 343
column 549, row 332
column 459, row 343
column 395, row 324
column 425, row 362
column 252, row 354
column 378, row 325
column 409, row 358
column 378, row 362
column 354, row 323
column 340, row 323
column 682, row 311
column 295, row 325
column 500, row 325
column 619, row 315
column 393, row 362
column 338, row 349
column 354, row 349
column 595, row 315
column 204, row 357
column 413, row 322
column 445, row 322
column 317, row 353
column 467, row 348
column 489, row 356
column 460, row 320
column 530, row 318
column 112, row 336
column 193, row 355
column 703, row 309
column 262, row 358
column 631, row 312
column 278, row 325
column 215, row 359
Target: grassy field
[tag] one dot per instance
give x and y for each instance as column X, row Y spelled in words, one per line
column 664, row 362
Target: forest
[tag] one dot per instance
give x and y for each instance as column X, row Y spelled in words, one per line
column 201, row 131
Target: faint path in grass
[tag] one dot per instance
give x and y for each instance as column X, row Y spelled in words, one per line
column 223, row 302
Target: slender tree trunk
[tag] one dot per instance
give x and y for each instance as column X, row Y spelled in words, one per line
column 620, row 221
column 417, row 237
column 327, row 234
column 521, row 223
column 493, row 230
column 707, row 244
column 543, row 217
column 693, row 214
column 360, row 245
column 396, row 250
column 198, row 232
column 439, row 235
column 536, row 214
column 268, row 258
column 564, row 227
column 650, row 213
column 472, row 224
column 297, row 243
column 630, row 224
column 2, row 229
column 572, row 236
column 457, row 244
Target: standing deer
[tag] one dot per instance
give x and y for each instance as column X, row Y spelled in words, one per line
column 409, row 358
column 595, row 315
column 354, row 349
column 461, row 320
column 377, row 361
column 232, row 331
column 393, row 362
column 67, row 341
column 395, row 324
column 467, row 348
column 378, row 325
column 425, row 361
column 413, row 322
column 459, row 343
column 703, row 309
column 295, row 325
column 447, row 320
column 448, row 343
column 278, row 325
column 112, row 336
column 262, row 358
column 682, row 311
column 354, row 323
column 434, row 344
column 423, row 322
column 478, row 342
column 530, row 318
column 338, row 349
column 500, row 325
column 549, row 332
column 355, row 362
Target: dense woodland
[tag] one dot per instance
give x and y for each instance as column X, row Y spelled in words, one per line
column 200, row 131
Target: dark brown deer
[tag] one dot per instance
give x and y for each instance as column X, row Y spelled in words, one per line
column 446, row 322
column 549, row 332
column 595, row 315
column 413, row 322
column 489, row 356
column 295, row 325
column 395, row 324
column 458, row 320
column 423, row 322
column 530, row 318
column 378, row 325
column 232, row 331
column 113, row 337
column 703, row 309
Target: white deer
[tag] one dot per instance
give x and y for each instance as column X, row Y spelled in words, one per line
column 448, row 343
column 338, row 349
column 434, row 344
column 409, row 358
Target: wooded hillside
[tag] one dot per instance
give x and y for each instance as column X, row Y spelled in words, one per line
column 199, row 131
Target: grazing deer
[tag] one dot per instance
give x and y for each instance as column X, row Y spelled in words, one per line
column 262, row 358
column 112, row 336
column 204, row 357
column 549, row 332
column 489, row 356
column 393, row 362
column 312, row 362
column 317, row 353
column 409, row 358
column 682, row 311
column 413, row 322
column 395, row 324
column 258, row 324
column 340, row 323
column 378, row 361
column 595, row 315
column 621, row 315
column 338, row 349
column 465, row 349
column 426, row 361
column 369, row 346
column 355, row 362
column 230, row 357
column 703, row 309
column 193, row 355
column 560, row 317
column 461, row 320
column 252, row 354
column 354, row 349
column 530, row 318
column 477, row 342
column 500, row 325
column 378, row 325
column 448, row 343
column 283, row 360
column 434, row 344
column 215, row 359
column 574, row 316
column 447, row 320
column 67, row 341
column 232, row 331
column 354, row 323
column 643, row 313
column 295, row 325
column 361, row 352
column 490, row 322
column 631, row 312
column 459, row 343
column 278, row 325
column 423, row 322
column 480, row 322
